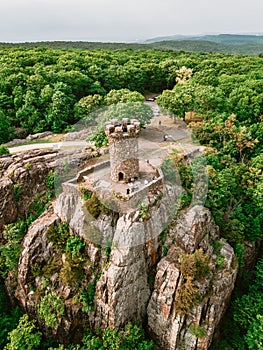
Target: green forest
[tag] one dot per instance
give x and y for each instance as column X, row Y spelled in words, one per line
column 52, row 89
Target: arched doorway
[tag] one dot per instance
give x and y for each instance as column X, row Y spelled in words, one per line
column 120, row 176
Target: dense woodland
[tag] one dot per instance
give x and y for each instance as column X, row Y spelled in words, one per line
column 50, row 89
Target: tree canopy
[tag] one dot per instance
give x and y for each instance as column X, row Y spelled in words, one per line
column 50, row 89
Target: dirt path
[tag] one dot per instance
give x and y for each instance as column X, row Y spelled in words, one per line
column 151, row 141
column 162, row 136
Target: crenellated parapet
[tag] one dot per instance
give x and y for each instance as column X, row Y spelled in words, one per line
column 117, row 129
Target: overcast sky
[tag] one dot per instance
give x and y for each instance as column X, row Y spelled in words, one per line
column 122, row 20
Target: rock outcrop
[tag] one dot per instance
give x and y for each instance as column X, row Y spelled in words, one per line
column 123, row 291
column 37, row 250
column 175, row 279
column 40, row 271
column 20, row 132
column 22, row 179
column 168, row 324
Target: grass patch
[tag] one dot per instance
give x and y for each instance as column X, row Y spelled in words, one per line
column 59, row 235
column 197, row 330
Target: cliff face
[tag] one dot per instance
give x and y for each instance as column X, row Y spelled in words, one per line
column 169, row 325
column 176, row 280
column 22, row 179
column 127, row 288
column 39, row 254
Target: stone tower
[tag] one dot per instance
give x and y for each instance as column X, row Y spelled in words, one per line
column 123, row 145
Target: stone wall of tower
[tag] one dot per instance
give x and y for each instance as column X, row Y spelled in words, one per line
column 124, row 159
column 123, row 148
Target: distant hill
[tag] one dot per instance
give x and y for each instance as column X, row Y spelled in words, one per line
column 191, row 45
column 209, row 46
column 225, row 43
column 222, row 43
column 233, row 39
column 167, row 38
column 82, row 45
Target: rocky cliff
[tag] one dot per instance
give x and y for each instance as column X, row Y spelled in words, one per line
column 174, row 320
column 175, row 280
column 22, row 179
